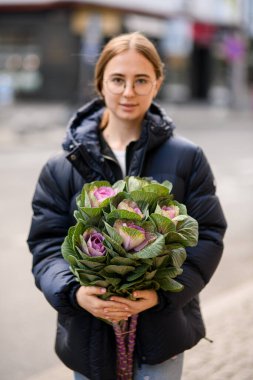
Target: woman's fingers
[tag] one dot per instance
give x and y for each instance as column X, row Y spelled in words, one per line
column 116, row 315
column 145, row 299
column 117, row 308
column 87, row 297
column 93, row 290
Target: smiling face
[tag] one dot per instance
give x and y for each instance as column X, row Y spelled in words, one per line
column 129, row 67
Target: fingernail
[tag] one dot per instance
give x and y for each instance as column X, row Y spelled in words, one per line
column 102, row 290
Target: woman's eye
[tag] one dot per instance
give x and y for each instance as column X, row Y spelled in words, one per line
column 141, row 81
column 117, row 81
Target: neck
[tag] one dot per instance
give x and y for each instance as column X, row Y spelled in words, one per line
column 119, row 134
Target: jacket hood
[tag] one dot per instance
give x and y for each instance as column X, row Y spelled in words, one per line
column 83, row 127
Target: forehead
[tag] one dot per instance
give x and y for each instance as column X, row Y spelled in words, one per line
column 129, row 63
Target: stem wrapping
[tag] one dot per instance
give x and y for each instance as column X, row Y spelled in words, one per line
column 125, row 333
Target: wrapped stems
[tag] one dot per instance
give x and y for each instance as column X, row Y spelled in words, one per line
column 131, row 343
column 125, row 333
column 122, row 366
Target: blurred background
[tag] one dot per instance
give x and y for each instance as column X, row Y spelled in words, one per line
column 207, row 47
column 48, row 50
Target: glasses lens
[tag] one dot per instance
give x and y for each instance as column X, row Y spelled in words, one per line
column 143, row 86
column 116, row 85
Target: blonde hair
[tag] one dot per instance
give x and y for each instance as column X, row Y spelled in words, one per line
column 121, row 44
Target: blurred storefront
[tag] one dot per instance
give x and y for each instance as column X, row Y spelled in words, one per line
column 48, row 48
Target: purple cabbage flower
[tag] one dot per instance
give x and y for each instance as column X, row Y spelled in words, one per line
column 129, row 205
column 104, row 192
column 170, row 211
column 134, row 237
column 92, row 243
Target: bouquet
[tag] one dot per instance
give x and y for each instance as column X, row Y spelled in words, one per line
column 128, row 236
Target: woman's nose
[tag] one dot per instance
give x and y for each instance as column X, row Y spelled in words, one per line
column 129, row 89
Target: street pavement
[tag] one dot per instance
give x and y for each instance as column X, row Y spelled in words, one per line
column 29, row 135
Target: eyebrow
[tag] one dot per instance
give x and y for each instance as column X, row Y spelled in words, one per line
column 136, row 76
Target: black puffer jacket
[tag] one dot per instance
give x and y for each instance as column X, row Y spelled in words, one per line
column 84, row 343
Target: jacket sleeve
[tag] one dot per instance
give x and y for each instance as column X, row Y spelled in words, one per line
column 50, row 222
column 203, row 205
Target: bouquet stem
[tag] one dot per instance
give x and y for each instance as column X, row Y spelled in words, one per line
column 125, row 332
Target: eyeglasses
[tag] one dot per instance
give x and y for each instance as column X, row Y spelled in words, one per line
column 141, row 86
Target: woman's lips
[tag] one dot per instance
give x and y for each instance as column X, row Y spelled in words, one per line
column 128, row 106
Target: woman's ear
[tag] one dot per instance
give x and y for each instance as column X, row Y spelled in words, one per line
column 157, row 86
column 102, row 93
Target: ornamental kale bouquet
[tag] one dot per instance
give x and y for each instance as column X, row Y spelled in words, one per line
column 130, row 235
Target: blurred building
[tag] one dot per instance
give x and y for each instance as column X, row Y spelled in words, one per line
column 48, row 48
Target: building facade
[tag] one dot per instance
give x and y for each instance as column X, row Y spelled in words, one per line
column 48, row 49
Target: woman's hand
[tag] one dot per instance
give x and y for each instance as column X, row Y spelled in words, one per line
column 145, row 299
column 87, row 298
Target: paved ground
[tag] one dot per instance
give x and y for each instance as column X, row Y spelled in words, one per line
column 229, row 325
column 29, row 134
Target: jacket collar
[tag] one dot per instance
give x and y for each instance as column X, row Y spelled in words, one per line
column 83, row 128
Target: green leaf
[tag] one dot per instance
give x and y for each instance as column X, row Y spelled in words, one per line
column 117, row 247
column 144, row 198
column 119, row 260
column 122, row 270
column 114, row 201
column 113, row 234
column 67, row 247
column 161, row 261
column 158, row 189
column 113, row 281
column 139, row 271
column 150, row 275
column 148, row 284
column 177, row 254
column 86, row 200
column 91, row 215
column 86, row 278
column 168, row 284
column 132, row 285
column 167, row 184
column 174, row 237
column 77, row 231
column 123, row 214
column 95, row 259
column 182, row 208
column 152, row 250
column 73, row 261
column 163, row 224
column 101, row 283
column 135, row 183
column 119, row 185
column 188, row 228
column 78, row 215
column 94, row 265
column 170, row 272
column 136, row 236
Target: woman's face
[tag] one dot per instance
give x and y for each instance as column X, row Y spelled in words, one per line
column 125, row 71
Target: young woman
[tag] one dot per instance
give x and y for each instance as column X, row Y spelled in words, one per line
column 123, row 132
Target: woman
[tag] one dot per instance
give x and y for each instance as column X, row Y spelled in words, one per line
column 124, row 132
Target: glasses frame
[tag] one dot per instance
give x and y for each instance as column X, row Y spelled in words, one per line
column 133, row 87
